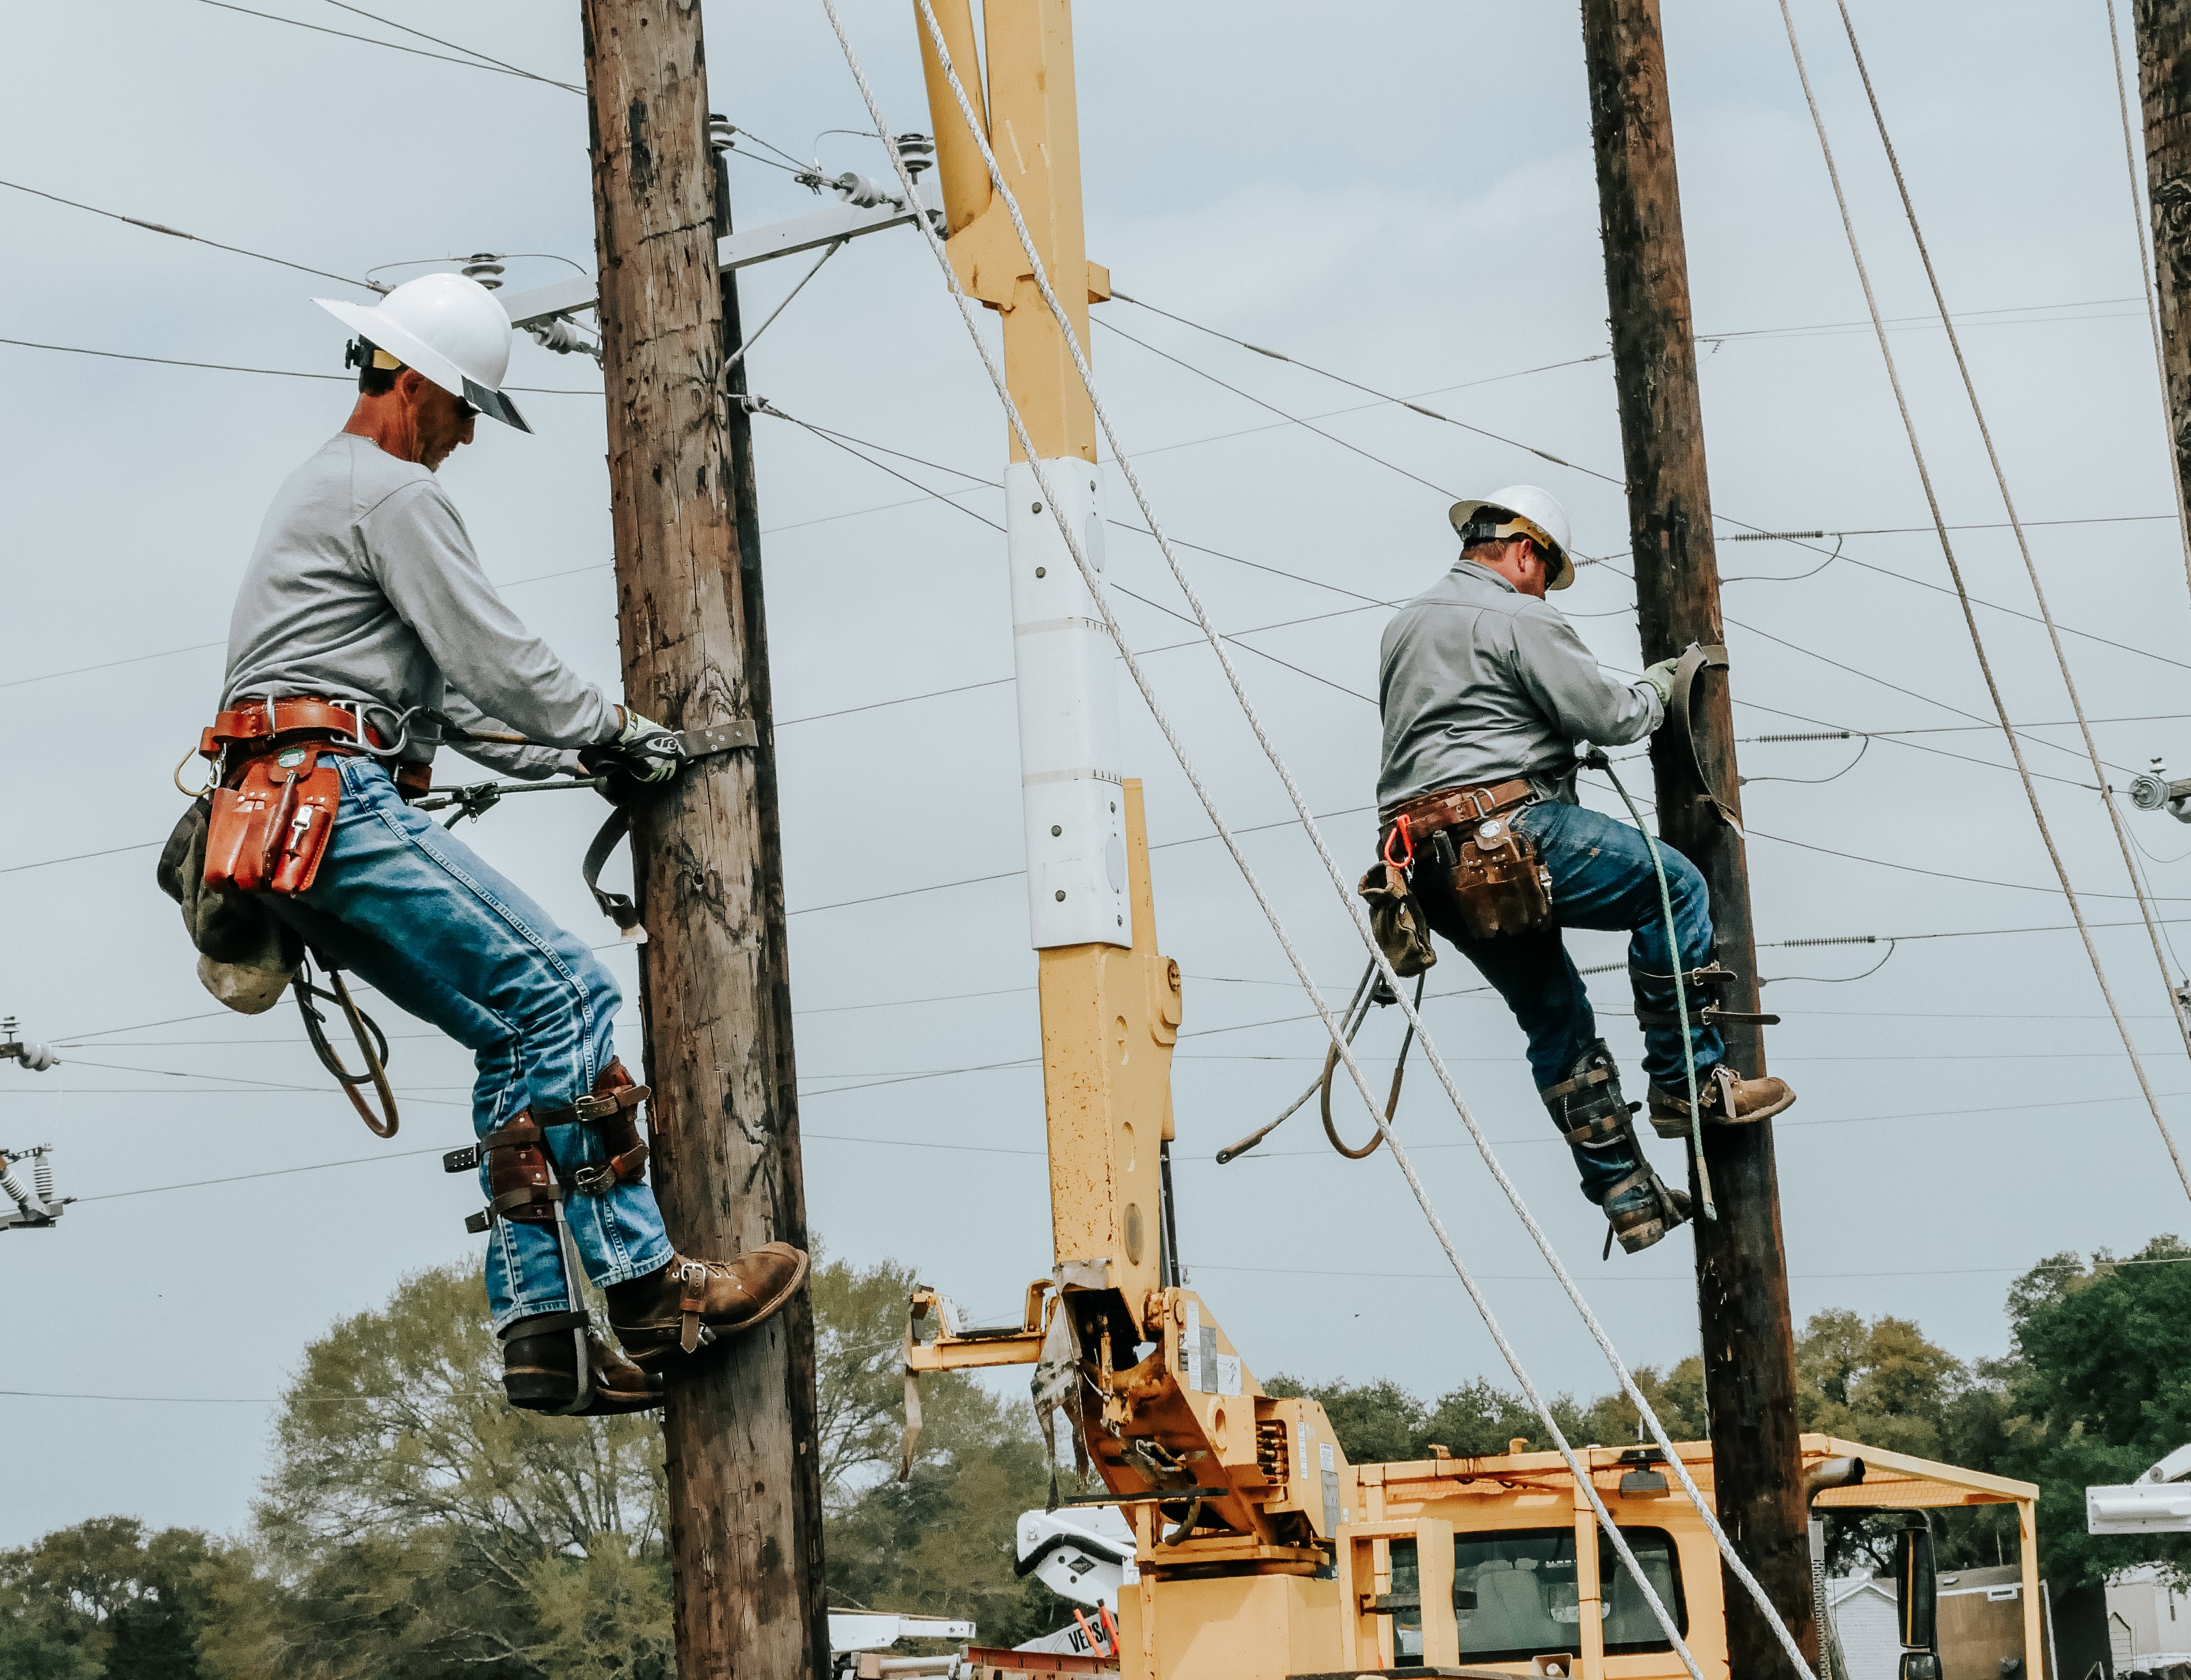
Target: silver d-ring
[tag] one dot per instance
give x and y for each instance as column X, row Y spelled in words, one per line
column 402, row 728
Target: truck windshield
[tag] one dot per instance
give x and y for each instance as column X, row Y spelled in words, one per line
column 1514, row 1594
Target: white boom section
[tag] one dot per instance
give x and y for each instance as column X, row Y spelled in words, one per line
column 741, row 250
column 1072, row 791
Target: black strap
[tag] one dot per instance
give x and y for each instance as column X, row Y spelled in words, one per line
column 616, row 906
column 540, row 1324
column 1696, row 660
column 1710, row 1015
column 1605, row 1129
column 692, row 744
column 371, row 1046
column 1596, row 1076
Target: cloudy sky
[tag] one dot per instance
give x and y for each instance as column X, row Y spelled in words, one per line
column 1403, row 194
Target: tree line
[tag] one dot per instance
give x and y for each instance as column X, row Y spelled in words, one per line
column 413, row 1526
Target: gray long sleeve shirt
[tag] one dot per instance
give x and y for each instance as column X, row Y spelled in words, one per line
column 364, row 586
column 1480, row 683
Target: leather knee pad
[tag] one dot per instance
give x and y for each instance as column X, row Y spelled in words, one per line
column 520, row 1183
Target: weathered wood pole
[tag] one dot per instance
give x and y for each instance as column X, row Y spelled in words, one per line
column 745, row 1502
column 2164, row 84
column 1742, row 1272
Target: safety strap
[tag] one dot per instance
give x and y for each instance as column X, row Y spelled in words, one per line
column 1596, row 1076
column 1605, row 1129
column 692, row 744
column 1710, row 1016
column 692, row 1295
column 540, row 1324
column 1696, row 660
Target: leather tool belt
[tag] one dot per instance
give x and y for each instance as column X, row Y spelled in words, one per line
column 274, row 809
column 1492, row 870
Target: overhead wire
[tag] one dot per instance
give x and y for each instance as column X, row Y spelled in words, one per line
column 1003, row 190
column 194, row 238
column 1592, row 472
column 1955, row 570
column 475, row 62
column 762, row 404
column 472, row 52
column 273, row 373
column 2023, row 547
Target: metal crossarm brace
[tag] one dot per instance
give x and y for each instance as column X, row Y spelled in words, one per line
column 740, row 250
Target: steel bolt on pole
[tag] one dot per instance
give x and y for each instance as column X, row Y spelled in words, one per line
column 1742, row 1274
column 745, row 1503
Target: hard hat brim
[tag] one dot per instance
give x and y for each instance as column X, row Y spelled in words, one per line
column 1462, row 512
column 374, row 326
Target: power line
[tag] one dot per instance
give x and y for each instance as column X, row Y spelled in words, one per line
column 271, row 372
column 1946, row 548
column 1592, row 472
column 474, row 52
column 476, row 62
column 177, row 233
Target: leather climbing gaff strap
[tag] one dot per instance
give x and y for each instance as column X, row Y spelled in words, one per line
column 1698, row 658
column 692, row 744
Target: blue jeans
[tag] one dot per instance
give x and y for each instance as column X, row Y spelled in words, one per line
column 1602, row 877
column 417, row 914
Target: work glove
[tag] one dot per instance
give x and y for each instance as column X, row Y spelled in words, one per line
column 643, row 752
column 1659, row 680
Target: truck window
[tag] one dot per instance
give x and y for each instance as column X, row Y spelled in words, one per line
column 1514, row 1594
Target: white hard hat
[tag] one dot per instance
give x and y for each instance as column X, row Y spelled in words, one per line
column 450, row 328
column 1520, row 510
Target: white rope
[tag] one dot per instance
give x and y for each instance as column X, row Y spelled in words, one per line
column 2145, row 273
column 1735, row 1564
column 1955, row 570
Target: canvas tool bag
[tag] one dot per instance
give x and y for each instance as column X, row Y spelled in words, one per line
column 1492, row 870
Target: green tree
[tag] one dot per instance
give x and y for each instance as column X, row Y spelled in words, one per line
column 104, row 1598
column 1381, row 1422
column 416, row 1525
column 2099, row 1388
column 939, row 1542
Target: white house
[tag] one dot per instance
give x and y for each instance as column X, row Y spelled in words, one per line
column 2149, row 1624
column 1865, row 1624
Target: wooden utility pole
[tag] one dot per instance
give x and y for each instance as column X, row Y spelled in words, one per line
column 2164, row 82
column 1742, row 1272
column 745, row 1501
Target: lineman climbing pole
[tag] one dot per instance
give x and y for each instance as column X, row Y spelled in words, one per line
column 745, row 1499
column 1742, row 1272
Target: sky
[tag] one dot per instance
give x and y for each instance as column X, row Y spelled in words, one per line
column 1401, row 194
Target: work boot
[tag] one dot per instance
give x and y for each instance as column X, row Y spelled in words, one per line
column 1727, row 1098
column 1641, row 1209
column 540, row 1370
column 689, row 1304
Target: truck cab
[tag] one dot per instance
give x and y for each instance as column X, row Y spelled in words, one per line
column 1496, row 1565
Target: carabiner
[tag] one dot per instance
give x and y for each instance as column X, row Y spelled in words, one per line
column 1401, row 832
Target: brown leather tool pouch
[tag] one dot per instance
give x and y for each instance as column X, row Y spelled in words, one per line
column 268, row 832
column 1498, row 882
column 1402, row 933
